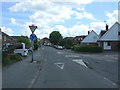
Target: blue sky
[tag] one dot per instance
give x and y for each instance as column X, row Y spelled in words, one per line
column 70, row 19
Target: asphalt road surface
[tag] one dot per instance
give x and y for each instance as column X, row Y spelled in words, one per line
column 63, row 69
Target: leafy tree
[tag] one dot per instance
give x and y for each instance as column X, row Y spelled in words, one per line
column 24, row 40
column 62, row 42
column 55, row 37
column 68, row 43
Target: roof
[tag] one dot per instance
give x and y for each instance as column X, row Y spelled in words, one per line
column 111, row 34
column 91, row 38
column 80, row 36
column 68, row 37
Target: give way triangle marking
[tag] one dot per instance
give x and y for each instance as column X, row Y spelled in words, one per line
column 60, row 65
column 80, row 61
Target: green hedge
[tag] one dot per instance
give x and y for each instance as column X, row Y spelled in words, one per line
column 10, row 58
column 88, row 48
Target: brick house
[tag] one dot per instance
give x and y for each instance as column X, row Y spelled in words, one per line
column 0, row 39
column 45, row 41
column 111, row 39
column 78, row 39
column 8, row 42
column 90, row 39
column 15, row 38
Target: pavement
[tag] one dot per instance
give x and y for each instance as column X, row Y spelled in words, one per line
column 22, row 74
column 63, row 69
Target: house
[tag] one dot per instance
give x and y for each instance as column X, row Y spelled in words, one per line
column 45, row 41
column 111, row 39
column 90, row 39
column 78, row 39
column 7, row 42
column 15, row 38
column 0, row 39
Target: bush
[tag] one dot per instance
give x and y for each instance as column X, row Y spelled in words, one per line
column 10, row 58
column 36, row 46
column 88, row 48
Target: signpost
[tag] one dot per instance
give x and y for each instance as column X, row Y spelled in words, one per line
column 33, row 38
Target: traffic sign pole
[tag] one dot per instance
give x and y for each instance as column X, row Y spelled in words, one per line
column 32, row 51
column 32, row 37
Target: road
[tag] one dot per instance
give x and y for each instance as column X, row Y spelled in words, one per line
column 63, row 69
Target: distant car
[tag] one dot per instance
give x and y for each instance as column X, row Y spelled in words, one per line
column 55, row 46
column 21, row 50
column 60, row 47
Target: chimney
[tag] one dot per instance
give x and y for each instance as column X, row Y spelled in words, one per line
column 88, row 32
column 107, row 27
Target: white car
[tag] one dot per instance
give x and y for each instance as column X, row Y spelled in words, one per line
column 21, row 50
column 60, row 47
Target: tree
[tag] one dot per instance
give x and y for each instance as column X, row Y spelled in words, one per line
column 68, row 43
column 55, row 37
column 24, row 40
column 62, row 42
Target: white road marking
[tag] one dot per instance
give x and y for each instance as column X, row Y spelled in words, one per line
column 72, row 56
column 80, row 61
column 59, row 52
column 110, row 81
column 60, row 65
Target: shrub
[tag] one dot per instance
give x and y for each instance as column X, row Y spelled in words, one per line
column 10, row 58
column 36, row 46
column 88, row 48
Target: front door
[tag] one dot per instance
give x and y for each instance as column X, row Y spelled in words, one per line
column 107, row 45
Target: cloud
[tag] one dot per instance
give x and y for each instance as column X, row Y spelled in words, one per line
column 84, row 14
column 97, row 26
column 112, row 17
column 13, row 21
column 46, row 13
column 6, row 30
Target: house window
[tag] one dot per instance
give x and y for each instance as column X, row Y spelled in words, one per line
column 118, row 33
column 4, row 38
column 108, row 43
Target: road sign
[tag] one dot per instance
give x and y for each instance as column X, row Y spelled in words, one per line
column 33, row 37
column 32, row 28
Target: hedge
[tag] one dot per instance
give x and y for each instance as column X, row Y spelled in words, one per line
column 88, row 48
column 10, row 58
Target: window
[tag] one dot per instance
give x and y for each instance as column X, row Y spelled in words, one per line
column 108, row 43
column 4, row 38
column 118, row 33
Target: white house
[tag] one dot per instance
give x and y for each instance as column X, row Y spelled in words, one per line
column 90, row 39
column 111, row 39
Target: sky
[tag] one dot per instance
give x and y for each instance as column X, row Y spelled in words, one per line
column 70, row 17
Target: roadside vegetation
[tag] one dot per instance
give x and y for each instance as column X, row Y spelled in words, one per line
column 88, row 48
column 8, row 56
column 8, row 59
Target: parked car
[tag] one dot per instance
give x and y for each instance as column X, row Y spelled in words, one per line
column 21, row 50
column 29, row 49
column 60, row 47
